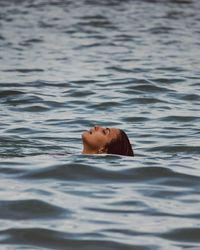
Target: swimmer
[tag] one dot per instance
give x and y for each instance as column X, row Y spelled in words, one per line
column 100, row 140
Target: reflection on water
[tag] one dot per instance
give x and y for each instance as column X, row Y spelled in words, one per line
column 66, row 66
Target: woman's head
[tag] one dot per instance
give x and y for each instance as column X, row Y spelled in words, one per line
column 99, row 140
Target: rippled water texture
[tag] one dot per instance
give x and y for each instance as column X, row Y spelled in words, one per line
column 68, row 65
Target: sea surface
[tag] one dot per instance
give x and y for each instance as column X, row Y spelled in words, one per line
column 66, row 66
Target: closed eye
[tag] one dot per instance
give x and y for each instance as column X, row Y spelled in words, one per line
column 106, row 131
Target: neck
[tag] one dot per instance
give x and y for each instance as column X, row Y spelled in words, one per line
column 87, row 150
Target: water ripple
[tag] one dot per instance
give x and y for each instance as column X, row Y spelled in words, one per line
column 69, row 65
column 59, row 240
column 183, row 234
column 82, row 172
column 30, row 209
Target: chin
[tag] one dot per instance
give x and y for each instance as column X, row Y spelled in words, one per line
column 85, row 135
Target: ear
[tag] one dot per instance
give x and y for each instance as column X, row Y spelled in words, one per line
column 102, row 150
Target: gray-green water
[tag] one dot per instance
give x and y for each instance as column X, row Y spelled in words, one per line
column 68, row 65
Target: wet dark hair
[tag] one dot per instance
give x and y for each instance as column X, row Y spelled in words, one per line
column 120, row 146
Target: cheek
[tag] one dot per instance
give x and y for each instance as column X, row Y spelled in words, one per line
column 100, row 139
column 97, row 140
column 93, row 140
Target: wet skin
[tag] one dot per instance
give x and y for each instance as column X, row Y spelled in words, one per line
column 96, row 139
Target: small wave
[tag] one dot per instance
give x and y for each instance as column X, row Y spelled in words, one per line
column 145, row 100
column 167, row 80
column 30, row 42
column 161, row 30
column 33, row 108
column 24, row 70
column 8, row 93
column 183, row 118
column 191, row 97
column 84, row 82
column 30, row 209
column 90, row 45
column 52, row 239
column 11, row 171
column 150, row 88
column 175, row 149
column 97, row 23
column 79, row 94
column 34, row 40
column 183, row 235
column 171, row 69
column 134, row 119
column 21, row 131
column 104, row 105
column 120, row 69
column 21, row 98
column 45, row 25
column 82, row 172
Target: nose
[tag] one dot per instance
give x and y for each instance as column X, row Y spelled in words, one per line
column 96, row 127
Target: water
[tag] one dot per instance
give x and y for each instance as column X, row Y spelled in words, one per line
column 68, row 65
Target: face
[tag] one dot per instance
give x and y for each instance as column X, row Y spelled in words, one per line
column 98, row 137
